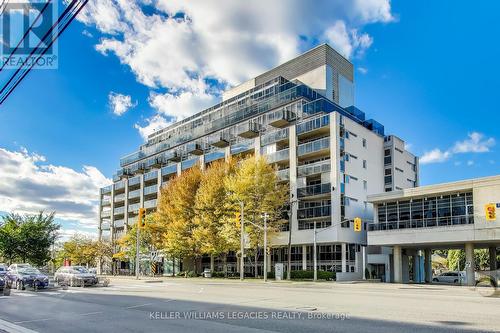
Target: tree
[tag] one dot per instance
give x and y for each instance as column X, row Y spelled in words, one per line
column 175, row 217
column 214, row 229
column 28, row 237
column 256, row 185
column 82, row 250
column 456, row 259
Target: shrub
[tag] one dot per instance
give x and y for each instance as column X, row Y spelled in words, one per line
column 309, row 275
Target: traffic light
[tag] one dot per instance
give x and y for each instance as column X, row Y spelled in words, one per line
column 141, row 219
column 490, row 210
column 357, row 224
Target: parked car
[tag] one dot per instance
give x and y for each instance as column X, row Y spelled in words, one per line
column 2, row 284
column 488, row 282
column 3, row 269
column 450, row 277
column 75, row 276
column 22, row 275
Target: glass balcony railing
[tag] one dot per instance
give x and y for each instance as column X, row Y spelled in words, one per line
column 134, row 181
column 150, row 204
column 279, row 156
column 134, row 194
column 134, row 207
column 169, row 169
column 106, row 189
column 153, row 189
column 283, row 175
column 313, row 124
column 314, row 168
column 280, row 118
column 119, row 210
column 119, row 197
column 214, row 155
column 313, row 146
column 153, row 175
column 119, row 223
column 106, row 213
column 105, row 226
column 120, row 185
column 274, row 136
column 313, row 212
column 422, row 223
column 242, row 147
column 189, row 163
column 105, row 202
column 312, row 190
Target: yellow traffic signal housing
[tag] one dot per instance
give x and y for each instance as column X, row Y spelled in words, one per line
column 357, row 224
column 141, row 219
column 490, row 211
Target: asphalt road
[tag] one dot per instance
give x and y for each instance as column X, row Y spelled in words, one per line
column 185, row 305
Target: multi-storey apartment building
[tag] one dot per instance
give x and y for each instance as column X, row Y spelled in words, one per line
column 300, row 115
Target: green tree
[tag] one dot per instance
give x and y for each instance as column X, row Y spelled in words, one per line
column 256, row 185
column 28, row 238
column 456, row 259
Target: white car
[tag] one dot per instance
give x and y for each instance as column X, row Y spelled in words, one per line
column 450, row 277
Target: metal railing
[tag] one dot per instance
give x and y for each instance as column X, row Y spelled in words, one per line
column 421, row 223
column 313, row 212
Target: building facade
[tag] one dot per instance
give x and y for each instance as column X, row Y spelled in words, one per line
column 410, row 223
column 301, row 117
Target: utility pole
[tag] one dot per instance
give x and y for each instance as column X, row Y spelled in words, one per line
column 315, row 259
column 265, row 247
column 242, row 244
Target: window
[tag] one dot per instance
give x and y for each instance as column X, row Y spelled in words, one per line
column 397, row 149
column 398, row 169
column 353, row 134
column 387, row 172
column 364, row 143
column 387, row 152
column 346, row 179
column 364, row 164
column 347, row 135
column 365, row 184
column 346, row 157
column 353, row 178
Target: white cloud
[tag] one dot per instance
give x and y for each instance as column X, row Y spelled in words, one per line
column 182, row 45
column 152, row 124
column 475, row 143
column 29, row 185
column 362, row 70
column 120, row 103
column 470, row 162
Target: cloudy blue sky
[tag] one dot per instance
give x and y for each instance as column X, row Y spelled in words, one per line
column 427, row 70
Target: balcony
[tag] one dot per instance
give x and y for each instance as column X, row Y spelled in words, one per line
column 175, row 156
column 134, row 208
column 314, row 212
column 189, row 163
column 313, row 126
column 275, row 136
column 315, row 147
column 153, row 189
column 169, row 170
column 279, row 156
column 242, row 147
column 157, row 162
column 214, row 155
column 120, row 185
column 134, row 194
column 150, row 204
column 134, row 181
column 105, row 226
column 119, row 223
column 248, row 130
column 314, row 190
column 221, row 141
column 106, row 201
column 281, row 118
column 195, row 149
column 119, row 211
column 283, row 175
column 105, row 213
column 314, row 168
column 153, row 175
column 119, row 197
column 106, row 189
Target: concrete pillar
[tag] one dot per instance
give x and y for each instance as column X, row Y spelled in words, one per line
column 365, row 260
column 428, row 265
column 493, row 258
column 344, row 257
column 416, row 266
column 268, row 262
column 469, row 264
column 397, row 256
column 405, row 270
column 304, row 257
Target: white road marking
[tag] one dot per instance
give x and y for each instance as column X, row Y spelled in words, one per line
column 32, row 321
column 137, row 306
column 50, row 293
column 90, row 313
column 13, row 328
column 24, row 295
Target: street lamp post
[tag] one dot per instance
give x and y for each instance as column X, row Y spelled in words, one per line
column 242, row 244
column 315, row 258
column 265, row 247
column 289, row 264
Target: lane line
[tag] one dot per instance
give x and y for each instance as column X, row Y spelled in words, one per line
column 91, row 313
column 13, row 328
column 137, row 306
column 31, row 321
